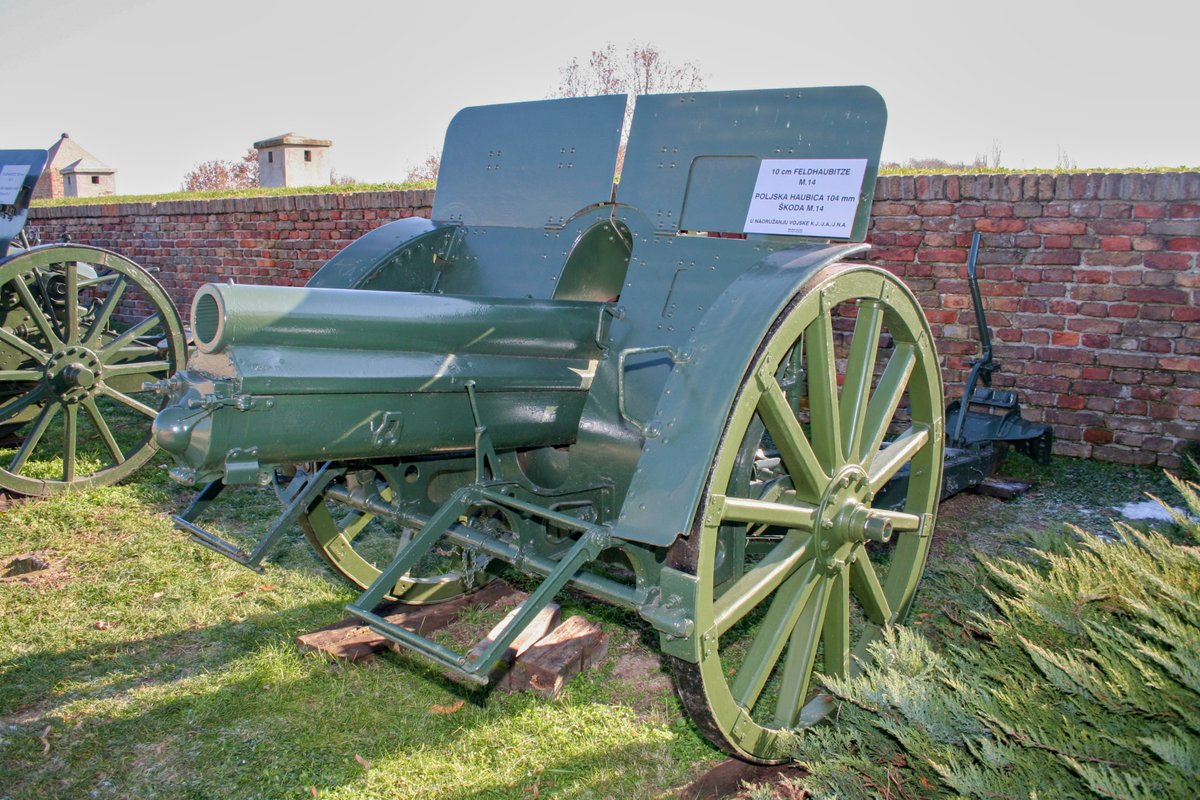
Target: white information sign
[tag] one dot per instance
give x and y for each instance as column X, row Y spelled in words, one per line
column 11, row 176
column 806, row 196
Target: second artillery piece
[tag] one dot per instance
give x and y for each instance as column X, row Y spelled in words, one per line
column 82, row 330
column 677, row 395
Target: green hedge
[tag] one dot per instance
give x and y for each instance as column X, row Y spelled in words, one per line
column 1083, row 681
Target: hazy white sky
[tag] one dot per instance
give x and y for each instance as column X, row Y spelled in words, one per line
column 153, row 87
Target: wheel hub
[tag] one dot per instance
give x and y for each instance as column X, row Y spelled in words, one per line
column 845, row 518
column 74, row 373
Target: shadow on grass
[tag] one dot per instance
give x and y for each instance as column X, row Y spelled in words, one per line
column 234, row 710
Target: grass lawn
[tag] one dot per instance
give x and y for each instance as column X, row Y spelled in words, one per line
column 141, row 665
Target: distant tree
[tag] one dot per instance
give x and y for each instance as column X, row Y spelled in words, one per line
column 426, row 171
column 219, row 174
column 636, row 69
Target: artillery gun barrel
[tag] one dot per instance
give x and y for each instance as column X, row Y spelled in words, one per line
column 294, row 374
column 354, row 319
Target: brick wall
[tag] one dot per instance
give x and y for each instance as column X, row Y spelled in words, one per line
column 1092, row 288
column 277, row 240
column 1091, row 281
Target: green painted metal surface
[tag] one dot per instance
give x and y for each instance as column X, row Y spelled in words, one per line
column 19, row 173
column 688, row 380
column 494, row 154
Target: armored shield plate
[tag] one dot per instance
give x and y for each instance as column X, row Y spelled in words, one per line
column 528, row 165
column 19, row 173
column 788, row 162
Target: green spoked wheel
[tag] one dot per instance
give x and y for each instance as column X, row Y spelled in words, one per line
column 355, row 528
column 798, row 569
column 81, row 330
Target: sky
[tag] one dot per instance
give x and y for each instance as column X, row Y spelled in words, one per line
column 153, row 87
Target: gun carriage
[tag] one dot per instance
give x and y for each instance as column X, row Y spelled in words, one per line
column 679, row 394
column 82, row 329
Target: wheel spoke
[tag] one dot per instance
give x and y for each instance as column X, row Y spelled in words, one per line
column 864, row 582
column 808, row 476
column 135, row 367
column 772, row 636
column 35, row 312
column 355, row 523
column 40, row 423
column 110, row 351
column 16, row 342
column 18, row 404
column 121, row 397
column 860, row 369
column 801, row 653
column 71, row 304
column 106, row 310
column 886, row 399
column 765, row 512
column 110, row 441
column 836, row 633
column 759, row 581
column 896, row 455
column 822, row 391
column 20, row 375
column 70, row 440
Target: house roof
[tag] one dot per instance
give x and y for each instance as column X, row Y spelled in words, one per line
column 87, row 164
column 292, row 140
column 66, row 153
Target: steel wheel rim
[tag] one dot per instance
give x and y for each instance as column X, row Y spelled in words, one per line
column 68, row 371
column 336, row 533
column 801, row 590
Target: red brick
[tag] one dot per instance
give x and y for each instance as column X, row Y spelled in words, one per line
column 1058, row 226
column 1189, row 244
column 1070, row 355
column 1093, row 276
column 1127, row 360
column 1097, row 435
column 1150, row 210
column 1168, row 261
column 1182, row 364
column 1113, row 227
column 1057, row 257
column 1116, row 243
column 1185, row 210
column 952, row 254
column 1169, row 296
column 934, row 209
column 999, row 225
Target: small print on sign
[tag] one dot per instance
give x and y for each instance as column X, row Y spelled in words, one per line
column 806, row 196
column 11, row 177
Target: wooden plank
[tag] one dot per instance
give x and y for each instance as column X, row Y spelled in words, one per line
column 1003, row 488
column 351, row 640
column 546, row 620
column 569, row 649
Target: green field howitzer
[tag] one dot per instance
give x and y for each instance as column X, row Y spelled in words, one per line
column 677, row 393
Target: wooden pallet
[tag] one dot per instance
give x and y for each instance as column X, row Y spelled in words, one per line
column 542, row 659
